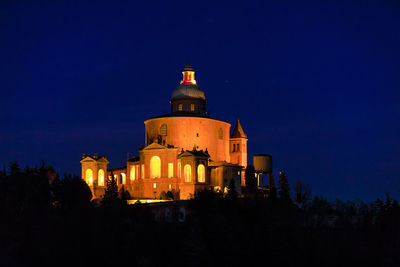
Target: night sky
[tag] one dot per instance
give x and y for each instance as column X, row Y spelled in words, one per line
column 315, row 84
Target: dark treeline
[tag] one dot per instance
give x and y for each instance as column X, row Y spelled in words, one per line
column 45, row 220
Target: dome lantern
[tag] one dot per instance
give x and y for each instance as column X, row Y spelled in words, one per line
column 188, row 96
column 188, row 75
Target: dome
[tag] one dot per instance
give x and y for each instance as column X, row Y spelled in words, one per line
column 188, row 91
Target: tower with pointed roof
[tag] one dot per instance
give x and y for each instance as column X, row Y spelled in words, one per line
column 238, row 145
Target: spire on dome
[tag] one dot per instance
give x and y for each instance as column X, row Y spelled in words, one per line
column 188, row 75
column 238, row 131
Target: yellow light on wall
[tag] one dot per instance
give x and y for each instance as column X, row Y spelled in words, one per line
column 201, row 173
column 179, row 170
column 187, row 173
column 89, row 177
column 155, row 167
column 170, row 170
column 133, row 177
column 123, row 178
column 101, row 177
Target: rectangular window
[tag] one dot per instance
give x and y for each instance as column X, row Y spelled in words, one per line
column 180, row 107
column 170, row 170
column 191, row 107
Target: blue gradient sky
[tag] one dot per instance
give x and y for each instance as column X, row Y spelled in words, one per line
column 314, row 84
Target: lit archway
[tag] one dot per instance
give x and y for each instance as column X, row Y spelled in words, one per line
column 123, row 178
column 155, row 167
column 89, row 177
column 101, row 177
column 187, row 173
column 201, row 173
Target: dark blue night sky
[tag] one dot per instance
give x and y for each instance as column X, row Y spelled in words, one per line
column 315, row 84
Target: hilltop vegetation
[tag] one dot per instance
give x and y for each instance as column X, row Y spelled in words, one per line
column 46, row 220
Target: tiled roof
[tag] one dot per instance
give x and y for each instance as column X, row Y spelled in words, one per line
column 238, row 131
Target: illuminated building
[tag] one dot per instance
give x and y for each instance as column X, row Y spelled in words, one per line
column 185, row 151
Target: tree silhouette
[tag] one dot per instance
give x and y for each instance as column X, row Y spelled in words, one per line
column 232, row 193
column 250, row 179
column 302, row 194
column 110, row 196
column 283, row 187
column 170, row 195
column 271, row 187
column 124, row 195
column 74, row 193
column 163, row 195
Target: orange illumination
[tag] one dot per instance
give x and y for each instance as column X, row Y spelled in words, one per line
column 170, row 170
column 179, row 170
column 201, row 173
column 142, row 174
column 89, row 177
column 155, row 167
column 123, row 178
column 188, row 77
column 133, row 173
column 101, row 177
column 187, row 172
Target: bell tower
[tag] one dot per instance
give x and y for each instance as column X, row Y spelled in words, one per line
column 238, row 146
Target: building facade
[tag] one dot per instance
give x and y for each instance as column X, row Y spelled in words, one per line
column 185, row 151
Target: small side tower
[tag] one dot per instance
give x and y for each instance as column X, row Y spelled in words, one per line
column 94, row 172
column 238, row 146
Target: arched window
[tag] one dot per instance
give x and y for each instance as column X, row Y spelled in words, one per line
column 89, row 177
column 101, row 177
column 155, row 167
column 133, row 176
column 187, row 173
column 123, row 178
column 179, row 170
column 220, row 133
column 163, row 129
column 170, row 170
column 201, row 173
